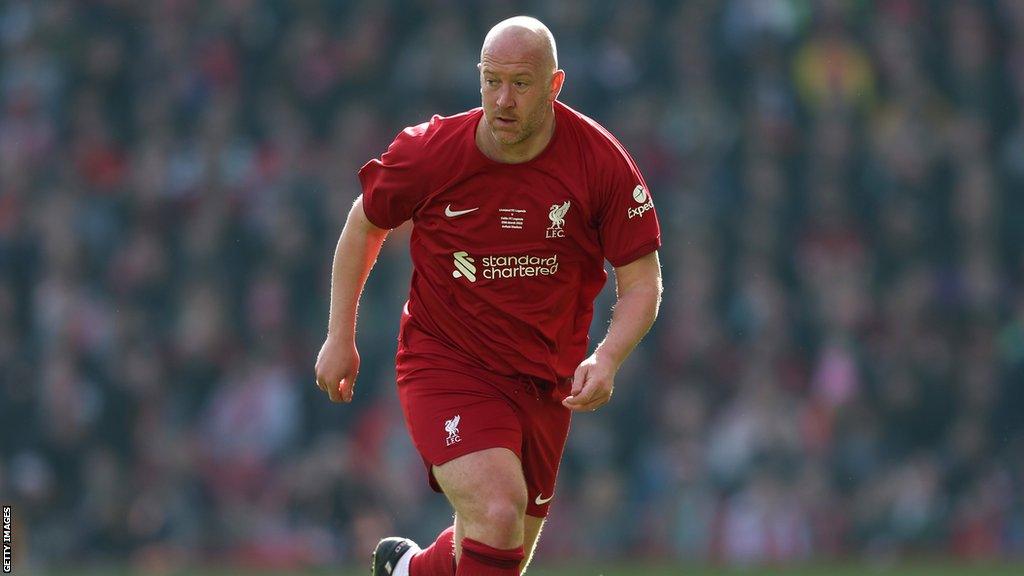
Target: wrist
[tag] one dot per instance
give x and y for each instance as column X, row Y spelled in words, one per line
column 605, row 356
column 341, row 336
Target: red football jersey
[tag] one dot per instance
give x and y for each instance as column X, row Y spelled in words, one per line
column 508, row 258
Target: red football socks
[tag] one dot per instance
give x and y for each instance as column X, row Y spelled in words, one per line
column 438, row 559
column 479, row 559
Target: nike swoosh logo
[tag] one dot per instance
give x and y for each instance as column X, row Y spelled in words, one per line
column 542, row 501
column 453, row 213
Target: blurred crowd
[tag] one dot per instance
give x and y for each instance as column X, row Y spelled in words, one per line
column 837, row 371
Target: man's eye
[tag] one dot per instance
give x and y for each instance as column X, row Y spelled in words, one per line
column 491, row 82
column 521, row 84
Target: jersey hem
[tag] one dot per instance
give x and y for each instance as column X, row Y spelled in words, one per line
column 635, row 255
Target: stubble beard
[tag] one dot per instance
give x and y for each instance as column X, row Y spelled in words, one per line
column 528, row 127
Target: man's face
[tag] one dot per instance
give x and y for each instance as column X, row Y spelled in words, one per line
column 516, row 96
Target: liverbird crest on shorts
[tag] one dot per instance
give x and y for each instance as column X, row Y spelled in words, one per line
column 452, row 428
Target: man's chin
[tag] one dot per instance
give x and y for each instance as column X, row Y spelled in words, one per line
column 507, row 137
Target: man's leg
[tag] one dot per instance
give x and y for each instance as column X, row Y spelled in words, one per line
column 530, row 537
column 488, row 491
column 531, row 534
column 439, row 558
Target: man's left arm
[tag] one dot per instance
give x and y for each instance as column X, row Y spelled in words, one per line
column 638, row 295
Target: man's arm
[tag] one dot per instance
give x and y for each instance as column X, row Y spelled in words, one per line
column 337, row 365
column 638, row 292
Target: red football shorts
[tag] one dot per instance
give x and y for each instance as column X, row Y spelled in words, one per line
column 452, row 410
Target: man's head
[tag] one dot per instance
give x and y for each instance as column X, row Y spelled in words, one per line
column 519, row 79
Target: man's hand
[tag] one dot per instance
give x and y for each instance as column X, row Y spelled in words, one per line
column 337, row 366
column 592, row 384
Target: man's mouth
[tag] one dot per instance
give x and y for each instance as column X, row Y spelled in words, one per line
column 504, row 121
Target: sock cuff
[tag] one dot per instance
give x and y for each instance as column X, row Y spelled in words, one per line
column 438, row 559
column 489, row 556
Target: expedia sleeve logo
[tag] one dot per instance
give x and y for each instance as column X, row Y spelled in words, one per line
column 640, row 195
column 501, row 267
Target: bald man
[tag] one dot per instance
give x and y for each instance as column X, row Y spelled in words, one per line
column 515, row 207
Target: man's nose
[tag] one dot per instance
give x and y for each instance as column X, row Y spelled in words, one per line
column 505, row 99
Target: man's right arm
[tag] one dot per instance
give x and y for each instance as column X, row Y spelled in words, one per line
column 337, row 365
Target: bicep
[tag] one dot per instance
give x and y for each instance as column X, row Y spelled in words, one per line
column 358, row 217
column 642, row 273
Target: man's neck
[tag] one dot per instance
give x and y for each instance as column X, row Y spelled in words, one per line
column 515, row 153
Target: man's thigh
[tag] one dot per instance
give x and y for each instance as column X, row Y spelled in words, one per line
column 472, row 481
column 451, row 416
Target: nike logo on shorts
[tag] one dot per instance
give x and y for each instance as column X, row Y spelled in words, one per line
column 453, row 213
column 542, row 501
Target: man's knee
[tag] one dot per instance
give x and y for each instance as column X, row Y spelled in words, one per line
column 495, row 507
column 497, row 522
column 505, row 511
column 495, row 516
column 488, row 492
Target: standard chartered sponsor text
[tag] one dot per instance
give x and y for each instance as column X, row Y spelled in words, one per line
column 524, row 266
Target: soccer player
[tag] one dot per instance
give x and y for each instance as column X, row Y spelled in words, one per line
column 515, row 207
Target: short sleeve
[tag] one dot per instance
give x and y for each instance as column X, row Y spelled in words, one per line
column 392, row 185
column 628, row 224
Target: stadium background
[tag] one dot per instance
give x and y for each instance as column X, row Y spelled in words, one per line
column 837, row 374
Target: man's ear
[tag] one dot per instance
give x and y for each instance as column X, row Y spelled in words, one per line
column 557, row 79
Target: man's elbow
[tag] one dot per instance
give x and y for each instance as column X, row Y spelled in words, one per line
column 657, row 289
column 649, row 294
